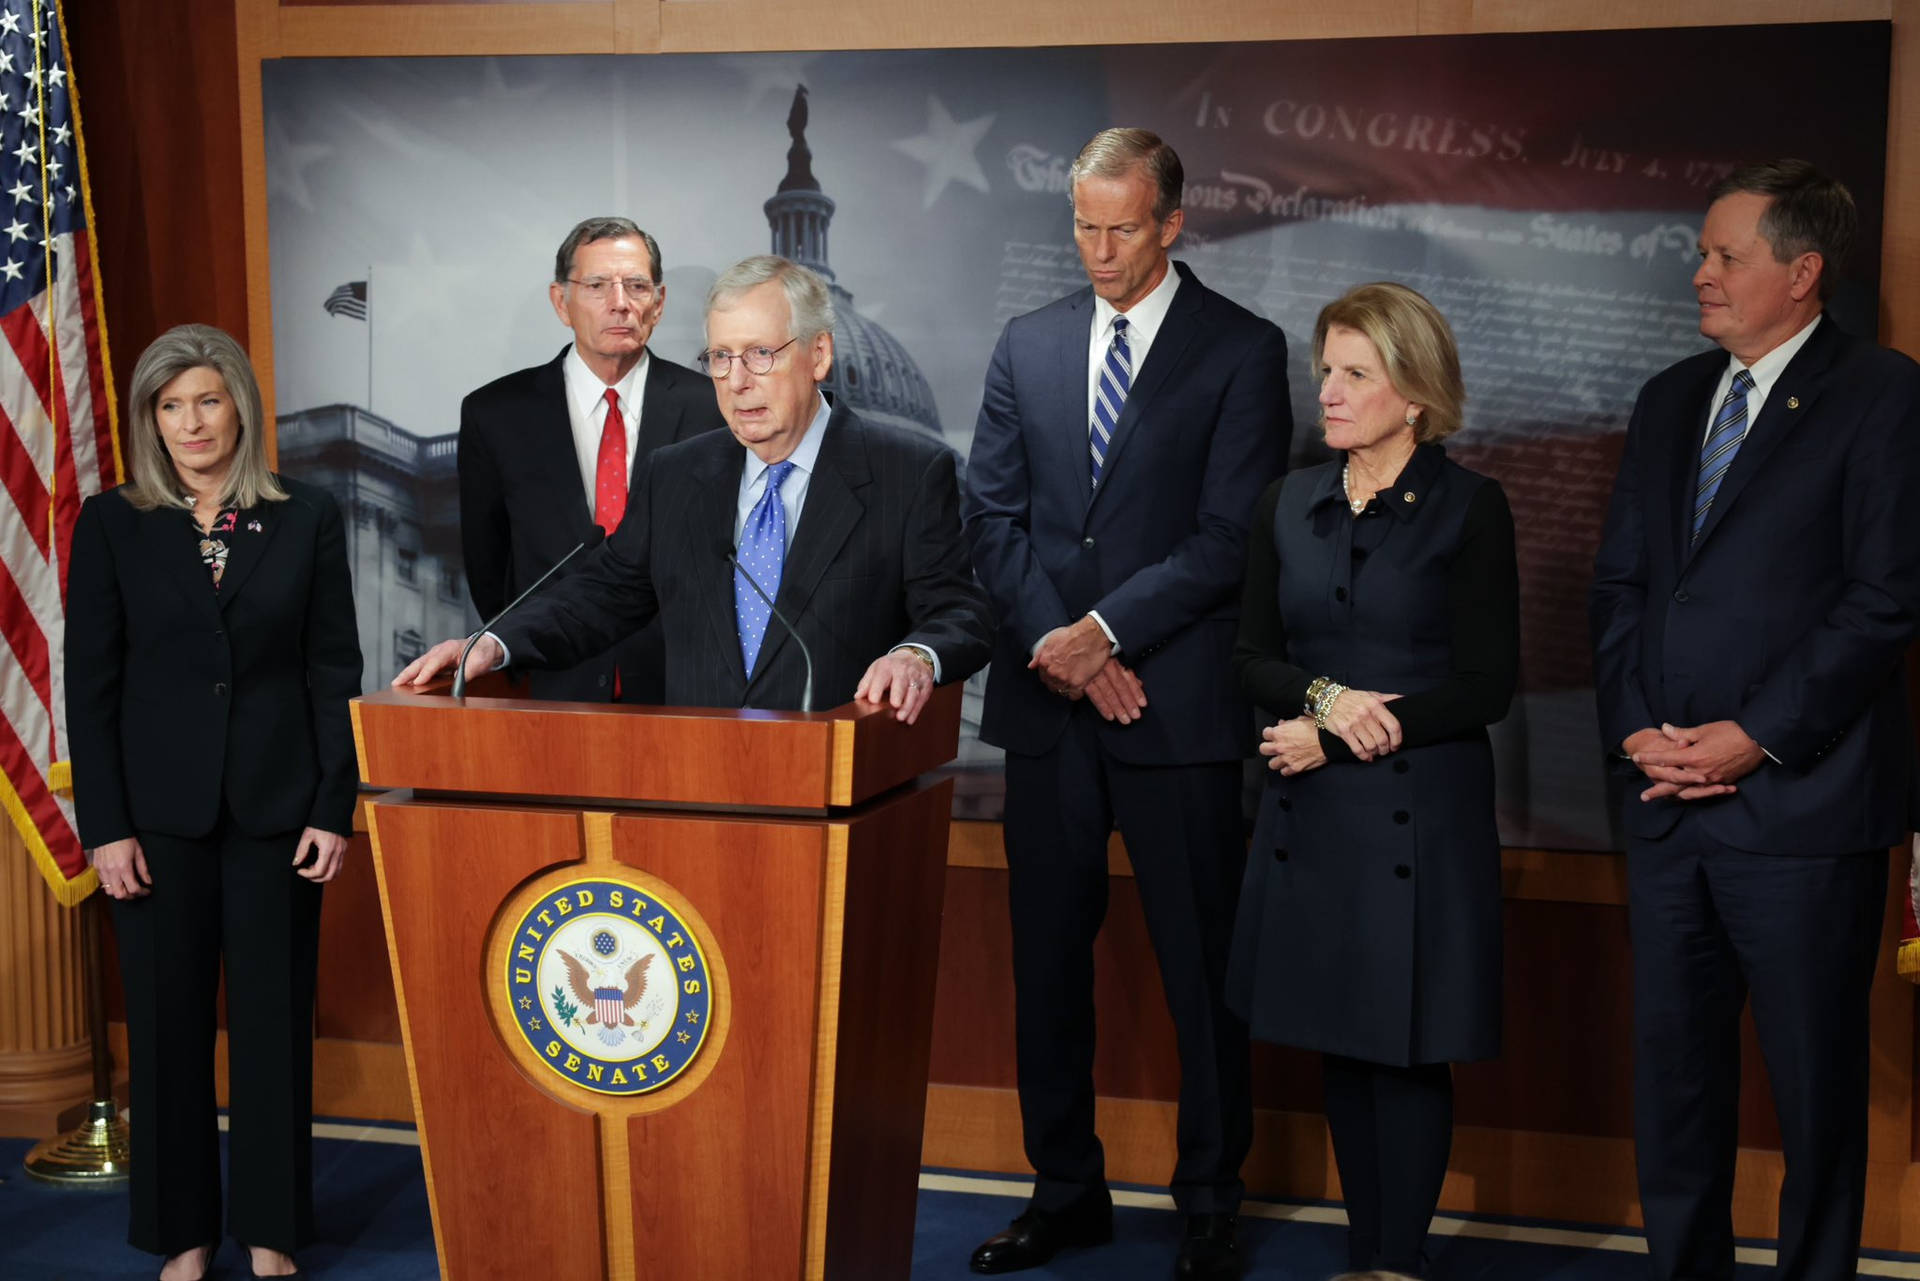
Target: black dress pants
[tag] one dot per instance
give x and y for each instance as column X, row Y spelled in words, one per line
column 1184, row 836
column 1392, row 1129
column 1710, row 925
column 232, row 897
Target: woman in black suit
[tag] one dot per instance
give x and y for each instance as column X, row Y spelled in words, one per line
column 1380, row 628
column 210, row 653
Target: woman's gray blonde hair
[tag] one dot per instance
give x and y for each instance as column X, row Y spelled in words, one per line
column 152, row 480
column 1415, row 343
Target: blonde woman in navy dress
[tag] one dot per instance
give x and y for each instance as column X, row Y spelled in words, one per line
column 1379, row 632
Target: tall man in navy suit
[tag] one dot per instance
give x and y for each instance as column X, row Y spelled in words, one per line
column 1757, row 587
column 1125, row 433
column 548, row 453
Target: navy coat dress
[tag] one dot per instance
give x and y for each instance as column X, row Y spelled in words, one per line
column 1370, row 917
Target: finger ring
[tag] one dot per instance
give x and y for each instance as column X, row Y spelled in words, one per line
column 917, row 684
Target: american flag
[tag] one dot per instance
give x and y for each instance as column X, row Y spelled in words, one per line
column 58, row 443
column 349, row 299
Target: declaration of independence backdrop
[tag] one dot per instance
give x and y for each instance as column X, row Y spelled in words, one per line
column 1544, row 189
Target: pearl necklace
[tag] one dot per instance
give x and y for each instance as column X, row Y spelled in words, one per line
column 1355, row 505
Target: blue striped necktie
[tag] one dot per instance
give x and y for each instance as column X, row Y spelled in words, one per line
column 1723, row 442
column 1109, row 396
column 763, row 553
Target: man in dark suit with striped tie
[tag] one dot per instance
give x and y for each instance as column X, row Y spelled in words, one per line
column 852, row 528
column 1757, row 587
column 1126, row 431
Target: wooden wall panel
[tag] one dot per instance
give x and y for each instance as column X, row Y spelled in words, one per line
column 160, row 109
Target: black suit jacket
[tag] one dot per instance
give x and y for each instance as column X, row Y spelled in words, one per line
column 1791, row 614
column 877, row 560
column 1160, row 548
column 178, row 695
column 522, row 507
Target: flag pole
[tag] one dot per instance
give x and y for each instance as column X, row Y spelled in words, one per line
column 369, row 337
column 96, row 1154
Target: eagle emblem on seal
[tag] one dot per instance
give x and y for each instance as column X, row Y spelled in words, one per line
column 609, row 989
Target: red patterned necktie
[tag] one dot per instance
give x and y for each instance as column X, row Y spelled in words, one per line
column 610, row 480
column 610, row 473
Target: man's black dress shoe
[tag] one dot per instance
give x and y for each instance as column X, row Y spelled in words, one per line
column 1037, row 1235
column 1208, row 1253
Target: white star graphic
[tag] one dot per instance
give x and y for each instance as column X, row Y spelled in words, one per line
column 10, row 23
column 6, row 61
column 17, row 229
column 3, row 102
column 769, row 73
column 61, row 134
column 20, row 191
column 71, row 193
column 287, row 165
column 58, row 76
column 54, row 166
column 30, row 113
column 25, row 154
column 12, row 269
column 946, row 149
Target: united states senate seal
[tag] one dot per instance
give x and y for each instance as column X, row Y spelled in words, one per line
column 609, row 985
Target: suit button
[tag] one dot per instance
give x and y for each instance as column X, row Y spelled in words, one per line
column 1285, row 804
column 1401, row 767
column 1681, row 597
column 1401, row 817
column 1359, row 553
column 1279, row 856
column 1339, row 593
column 219, row 689
column 1403, row 871
column 1087, row 543
column 603, row 682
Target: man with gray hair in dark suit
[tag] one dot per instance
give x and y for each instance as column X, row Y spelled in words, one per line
column 852, row 528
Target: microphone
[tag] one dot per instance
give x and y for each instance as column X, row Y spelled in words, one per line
column 806, row 692
column 591, row 541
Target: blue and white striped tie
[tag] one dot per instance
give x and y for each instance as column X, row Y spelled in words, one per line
column 1723, row 442
column 1116, row 376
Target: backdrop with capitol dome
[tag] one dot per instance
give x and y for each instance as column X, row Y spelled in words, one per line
column 930, row 188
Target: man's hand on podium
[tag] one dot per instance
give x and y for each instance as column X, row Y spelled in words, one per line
column 427, row 668
column 902, row 678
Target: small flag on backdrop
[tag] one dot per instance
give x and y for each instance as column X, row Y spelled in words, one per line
column 349, row 300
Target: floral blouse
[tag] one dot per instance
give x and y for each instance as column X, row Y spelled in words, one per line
column 213, row 543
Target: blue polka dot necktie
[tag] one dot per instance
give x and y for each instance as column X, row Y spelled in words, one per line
column 1722, row 444
column 1109, row 396
column 763, row 553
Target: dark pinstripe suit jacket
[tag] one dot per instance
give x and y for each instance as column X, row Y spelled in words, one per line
column 877, row 559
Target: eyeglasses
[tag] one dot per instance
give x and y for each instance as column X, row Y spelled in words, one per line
column 758, row 360
column 638, row 288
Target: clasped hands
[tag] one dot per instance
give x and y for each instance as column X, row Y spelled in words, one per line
column 1360, row 718
column 1076, row 661
column 1693, row 763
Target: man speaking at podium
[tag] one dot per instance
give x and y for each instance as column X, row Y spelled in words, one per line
column 851, row 528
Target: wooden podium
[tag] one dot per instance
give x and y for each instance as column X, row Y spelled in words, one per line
column 665, row 977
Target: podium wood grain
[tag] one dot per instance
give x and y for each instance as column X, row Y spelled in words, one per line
column 812, row 871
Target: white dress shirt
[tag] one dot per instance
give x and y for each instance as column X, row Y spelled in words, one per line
column 587, row 414
column 1766, row 372
column 1144, row 319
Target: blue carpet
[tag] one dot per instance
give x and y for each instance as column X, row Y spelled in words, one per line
column 372, row 1209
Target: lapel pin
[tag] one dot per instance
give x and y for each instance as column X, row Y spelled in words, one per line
column 1793, row 402
column 1407, row 497
column 255, row 526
